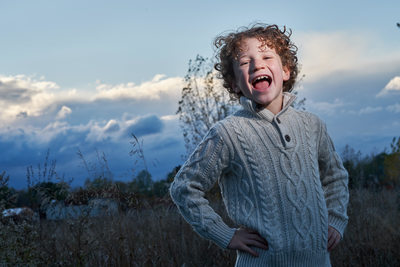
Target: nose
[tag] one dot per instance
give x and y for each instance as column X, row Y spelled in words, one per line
column 257, row 65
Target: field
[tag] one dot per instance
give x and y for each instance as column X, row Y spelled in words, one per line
column 156, row 235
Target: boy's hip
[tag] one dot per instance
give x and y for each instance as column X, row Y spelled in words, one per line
column 276, row 259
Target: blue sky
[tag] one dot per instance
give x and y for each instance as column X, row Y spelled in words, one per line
column 85, row 74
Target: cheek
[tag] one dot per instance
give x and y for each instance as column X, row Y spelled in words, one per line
column 239, row 79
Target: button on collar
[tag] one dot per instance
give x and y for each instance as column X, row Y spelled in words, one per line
column 287, row 138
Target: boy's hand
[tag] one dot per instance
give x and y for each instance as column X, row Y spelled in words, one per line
column 244, row 238
column 333, row 238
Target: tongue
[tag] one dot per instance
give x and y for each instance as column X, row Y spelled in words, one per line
column 261, row 85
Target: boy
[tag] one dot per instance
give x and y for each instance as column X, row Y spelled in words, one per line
column 277, row 168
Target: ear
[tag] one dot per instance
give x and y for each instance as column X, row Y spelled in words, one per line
column 286, row 74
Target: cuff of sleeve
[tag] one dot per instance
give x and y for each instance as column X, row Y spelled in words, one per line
column 338, row 223
column 222, row 234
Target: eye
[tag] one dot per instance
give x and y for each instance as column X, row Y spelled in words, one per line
column 243, row 63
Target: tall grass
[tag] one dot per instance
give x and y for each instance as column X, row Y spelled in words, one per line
column 372, row 237
column 156, row 235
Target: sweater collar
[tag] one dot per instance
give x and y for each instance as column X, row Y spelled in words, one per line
column 264, row 113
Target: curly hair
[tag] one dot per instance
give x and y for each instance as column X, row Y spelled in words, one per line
column 228, row 48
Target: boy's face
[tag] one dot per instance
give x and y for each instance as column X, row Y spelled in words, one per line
column 259, row 74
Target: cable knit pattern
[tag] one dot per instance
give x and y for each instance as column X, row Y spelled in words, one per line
column 278, row 174
column 244, row 187
column 322, row 212
column 267, row 205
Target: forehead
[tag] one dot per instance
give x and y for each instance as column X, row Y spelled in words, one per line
column 262, row 44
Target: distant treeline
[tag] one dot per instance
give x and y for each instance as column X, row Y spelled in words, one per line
column 42, row 190
column 44, row 185
column 373, row 171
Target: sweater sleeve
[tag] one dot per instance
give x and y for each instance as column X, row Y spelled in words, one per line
column 334, row 179
column 197, row 176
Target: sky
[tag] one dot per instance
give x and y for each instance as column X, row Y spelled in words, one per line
column 84, row 75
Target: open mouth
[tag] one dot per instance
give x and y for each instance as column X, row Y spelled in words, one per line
column 261, row 82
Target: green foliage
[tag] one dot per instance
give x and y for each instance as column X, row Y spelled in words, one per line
column 54, row 191
column 38, row 196
column 98, row 183
column 160, row 188
column 351, row 161
column 375, row 171
column 391, row 164
column 7, row 195
column 142, row 184
column 171, row 175
column 44, row 185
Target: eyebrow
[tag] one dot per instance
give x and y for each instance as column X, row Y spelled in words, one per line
column 267, row 50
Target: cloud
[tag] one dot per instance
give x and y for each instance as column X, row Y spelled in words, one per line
column 369, row 110
column 112, row 126
column 328, row 108
column 343, row 53
column 151, row 90
column 395, row 108
column 45, row 114
column 38, row 114
column 119, row 130
column 14, row 94
column 24, row 98
column 392, row 86
column 144, row 126
column 163, row 145
column 64, row 111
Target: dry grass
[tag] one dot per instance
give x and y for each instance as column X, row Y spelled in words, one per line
column 158, row 236
column 372, row 237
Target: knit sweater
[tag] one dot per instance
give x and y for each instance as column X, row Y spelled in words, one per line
column 278, row 174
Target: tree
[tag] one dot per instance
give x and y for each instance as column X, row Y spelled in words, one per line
column 373, row 169
column 7, row 194
column 161, row 188
column 351, row 161
column 142, row 183
column 392, row 164
column 41, row 186
column 99, row 173
column 98, row 183
column 171, row 175
column 204, row 101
